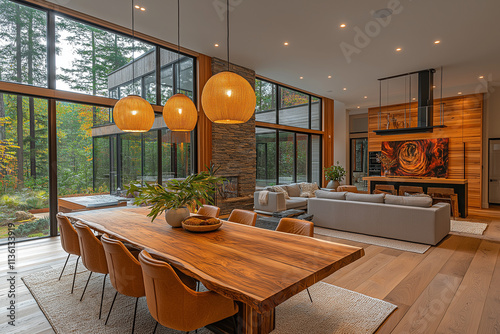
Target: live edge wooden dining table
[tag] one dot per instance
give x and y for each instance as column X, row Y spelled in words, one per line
column 256, row 267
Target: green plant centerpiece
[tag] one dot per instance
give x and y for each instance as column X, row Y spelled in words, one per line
column 335, row 174
column 176, row 196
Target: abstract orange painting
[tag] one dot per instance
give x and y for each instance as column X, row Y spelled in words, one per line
column 423, row 157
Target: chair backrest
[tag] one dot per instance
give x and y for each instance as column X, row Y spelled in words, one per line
column 209, row 211
column 125, row 270
column 243, row 217
column 386, row 188
column 296, row 226
column 410, row 190
column 443, row 191
column 69, row 237
column 92, row 252
column 351, row 189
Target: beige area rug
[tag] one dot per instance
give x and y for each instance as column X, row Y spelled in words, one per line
column 368, row 239
column 334, row 310
column 462, row 226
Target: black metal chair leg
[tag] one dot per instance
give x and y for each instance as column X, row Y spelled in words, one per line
column 86, row 286
column 74, row 275
column 65, row 263
column 309, row 295
column 113, row 303
column 135, row 312
column 102, row 294
column 154, row 331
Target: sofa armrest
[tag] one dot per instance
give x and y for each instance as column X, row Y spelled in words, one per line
column 275, row 202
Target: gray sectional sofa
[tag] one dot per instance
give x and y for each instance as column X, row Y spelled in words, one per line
column 396, row 217
column 277, row 202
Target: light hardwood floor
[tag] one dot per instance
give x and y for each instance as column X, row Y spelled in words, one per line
column 452, row 288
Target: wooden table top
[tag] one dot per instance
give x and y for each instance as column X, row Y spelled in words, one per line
column 414, row 179
column 258, row 267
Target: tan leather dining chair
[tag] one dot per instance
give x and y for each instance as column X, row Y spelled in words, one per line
column 243, row 217
column 125, row 272
column 93, row 256
column 297, row 226
column 69, row 242
column 174, row 305
column 351, row 189
column 209, row 211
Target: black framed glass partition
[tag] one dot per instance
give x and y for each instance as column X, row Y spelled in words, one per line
column 43, row 48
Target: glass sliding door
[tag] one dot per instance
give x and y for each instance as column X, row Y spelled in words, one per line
column 266, row 157
column 302, row 153
column 24, row 167
column 359, row 162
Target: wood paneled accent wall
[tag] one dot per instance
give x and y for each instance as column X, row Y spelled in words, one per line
column 204, row 127
column 463, row 117
column 328, row 117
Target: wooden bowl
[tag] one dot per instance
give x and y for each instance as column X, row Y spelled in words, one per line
column 201, row 228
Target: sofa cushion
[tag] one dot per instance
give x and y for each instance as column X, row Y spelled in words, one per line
column 308, row 189
column 280, row 189
column 372, row 198
column 419, row 201
column 296, row 202
column 331, row 194
column 293, row 190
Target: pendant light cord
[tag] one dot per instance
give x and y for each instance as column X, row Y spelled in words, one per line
column 178, row 30
column 227, row 10
column 133, row 49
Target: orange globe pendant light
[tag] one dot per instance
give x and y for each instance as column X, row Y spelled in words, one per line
column 133, row 114
column 227, row 97
column 179, row 112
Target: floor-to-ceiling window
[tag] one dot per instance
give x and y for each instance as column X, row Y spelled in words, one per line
column 292, row 154
column 76, row 133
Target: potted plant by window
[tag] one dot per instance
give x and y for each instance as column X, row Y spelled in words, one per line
column 335, row 174
column 176, row 196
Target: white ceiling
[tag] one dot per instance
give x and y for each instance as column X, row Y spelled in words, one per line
column 469, row 31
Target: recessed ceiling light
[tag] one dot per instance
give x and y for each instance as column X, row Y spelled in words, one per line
column 137, row 6
column 481, row 77
column 301, row 78
column 343, row 25
column 459, row 93
column 433, row 86
column 365, row 97
column 398, row 49
column 216, row 45
column 359, row 107
column 285, row 44
column 437, row 42
column 345, row 88
column 413, row 99
column 329, row 77
column 143, row 9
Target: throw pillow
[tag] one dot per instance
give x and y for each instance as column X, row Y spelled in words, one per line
column 280, row 189
column 372, row 198
column 308, row 189
column 293, row 190
column 330, row 194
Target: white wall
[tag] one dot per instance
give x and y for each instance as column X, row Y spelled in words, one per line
column 340, row 133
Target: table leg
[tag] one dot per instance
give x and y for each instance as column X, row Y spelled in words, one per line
column 252, row 322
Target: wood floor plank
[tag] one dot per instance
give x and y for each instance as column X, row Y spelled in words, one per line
column 410, row 288
column 464, row 313
column 381, row 283
column 490, row 319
